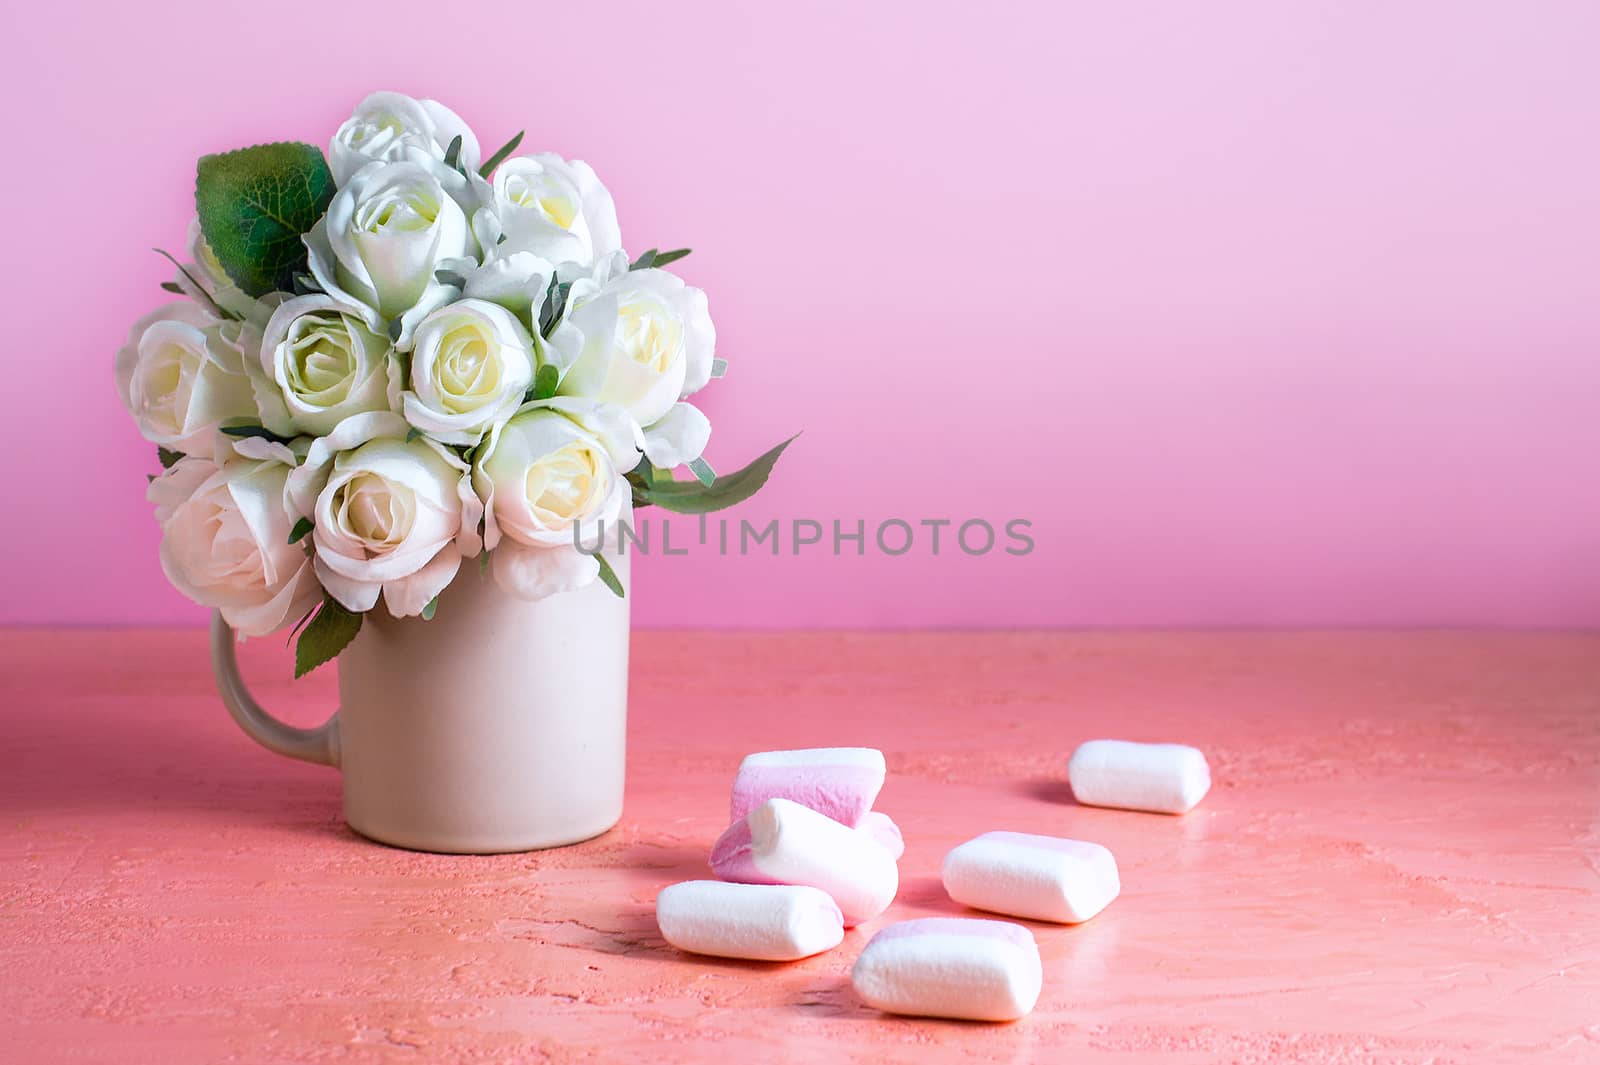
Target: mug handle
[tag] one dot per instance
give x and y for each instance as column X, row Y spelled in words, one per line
column 319, row 745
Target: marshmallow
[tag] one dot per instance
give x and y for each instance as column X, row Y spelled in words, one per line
column 764, row 922
column 885, row 831
column 841, row 782
column 1040, row 877
column 782, row 842
column 951, row 967
column 1163, row 778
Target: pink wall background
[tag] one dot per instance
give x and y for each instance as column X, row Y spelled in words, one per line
column 1263, row 313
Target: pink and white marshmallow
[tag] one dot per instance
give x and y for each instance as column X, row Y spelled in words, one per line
column 783, row 842
column 1164, row 778
column 1039, row 877
column 840, row 782
column 762, row 922
column 966, row 968
column 880, row 827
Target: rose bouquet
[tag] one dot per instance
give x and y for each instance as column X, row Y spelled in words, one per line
column 398, row 357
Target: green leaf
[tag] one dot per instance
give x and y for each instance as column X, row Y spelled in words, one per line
column 645, row 261
column 413, row 433
column 500, row 156
column 547, row 305
column 665, row 257
column 168, row 459
column 433, row 604
column 307, row 616
column 640, row 479
column 452, row 154
column 242, row 431
column 172, row 286
column 329, row 633
column 703, row 472
column 254, row 206
column 692, row 497
column 449, row 277
column 546, row 381
column 719, row 367
column 555, row 305
column 202, row 297
column 608, row 576
column 301, row 530
column 306, row 285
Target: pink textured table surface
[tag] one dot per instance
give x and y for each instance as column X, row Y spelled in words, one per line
column 1400, row 860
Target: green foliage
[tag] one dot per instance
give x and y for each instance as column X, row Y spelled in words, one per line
column 608, row 576
column 201, row 296
column 502, row 155
column 301, row 530
column 261, row 431
column 545, row 382
column 555, row 306
column 329, row 633
column 168, row 459
column 254, row 206
column 696, row 497
column 703, row 472
column 655, row 257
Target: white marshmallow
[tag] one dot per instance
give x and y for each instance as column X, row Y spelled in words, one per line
column 951, row 967
column 764, row 922
column 1040, row 877
column 842, row 782
column 1165, row 778
column 881, row 828
column 782, row 842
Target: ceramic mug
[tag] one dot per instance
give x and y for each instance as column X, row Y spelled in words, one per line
column 498, row 726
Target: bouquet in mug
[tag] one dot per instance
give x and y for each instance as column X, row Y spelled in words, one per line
column 398, row 357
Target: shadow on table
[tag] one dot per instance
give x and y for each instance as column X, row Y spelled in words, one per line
column 664, row 863
column 1048, row 789
column 633, row 933
column 90, row 760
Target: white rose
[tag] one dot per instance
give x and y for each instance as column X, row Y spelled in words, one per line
column 384, row 236
column 389, row 514
column 647, row 343
column 606, row 422
column 555, row 209
column 320, row 364
column 182, row 375
column 205, row 272
column 471, row 364
column 520, row 282
column 678, row 437
column 388, row 124
column 225, row 537
column 542, row 478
